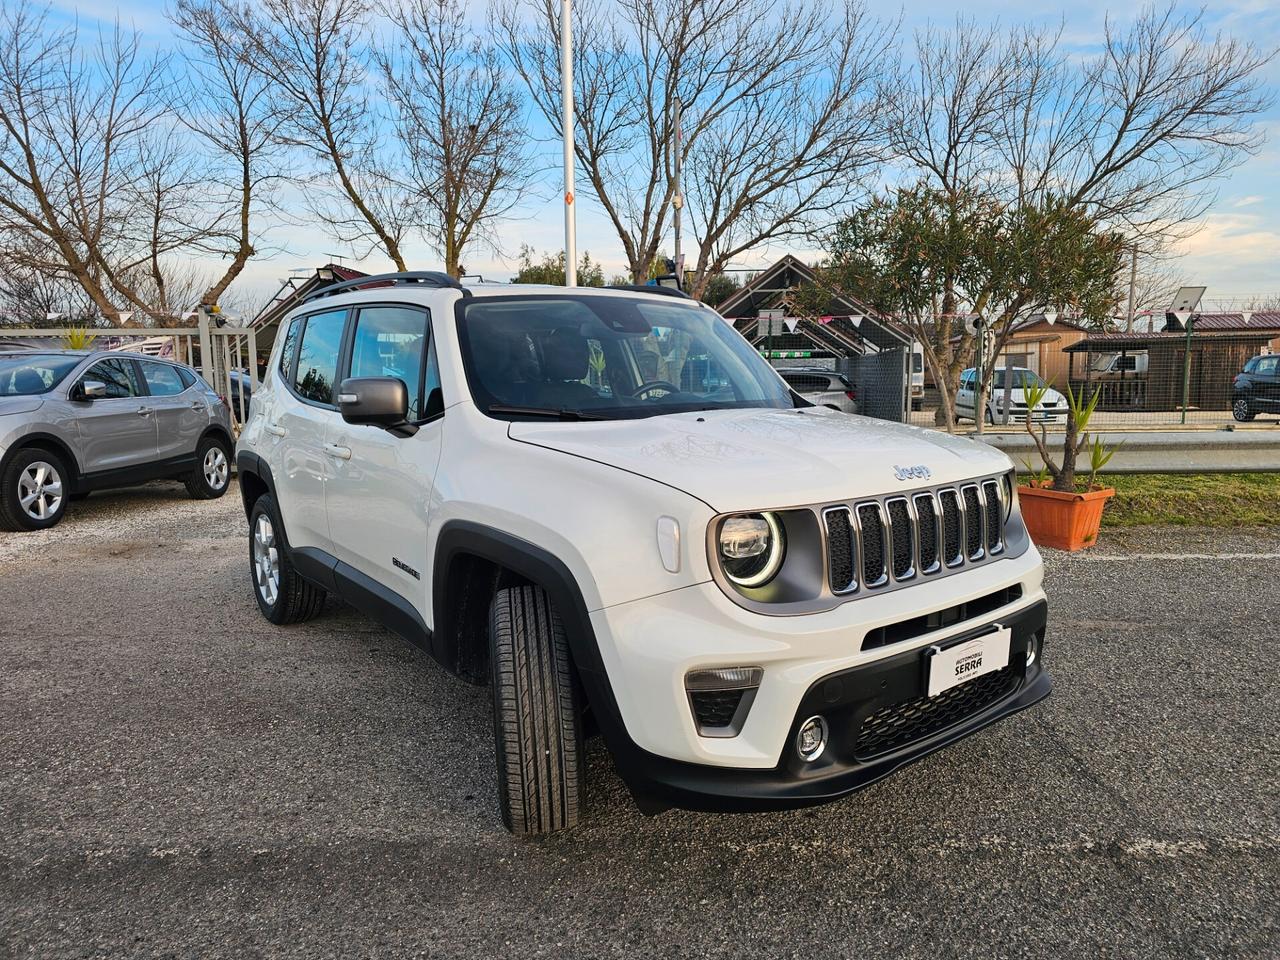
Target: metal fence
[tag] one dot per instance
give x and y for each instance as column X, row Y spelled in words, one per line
column 226, row 357
column 1156, row 380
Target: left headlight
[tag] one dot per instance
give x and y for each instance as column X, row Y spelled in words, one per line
column 752, row 547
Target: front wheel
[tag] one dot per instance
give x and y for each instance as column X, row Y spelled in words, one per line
column 536, row 721
column 211, row 475
column 283, row 595
column 1242, row 410
column 33, row 491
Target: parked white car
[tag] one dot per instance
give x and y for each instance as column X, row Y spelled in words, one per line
column 1052, row 408
column 606, row 504
column 826, row 388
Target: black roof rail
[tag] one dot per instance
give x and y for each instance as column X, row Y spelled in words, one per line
column 650, row 288
column 427, row 278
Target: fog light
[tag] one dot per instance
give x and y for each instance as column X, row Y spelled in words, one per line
column 1031, row 650
column 812, row 739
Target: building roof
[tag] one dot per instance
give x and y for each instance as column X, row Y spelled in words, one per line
column 1138, row 341
column 1263, row 320
column 296, row 289
column 839, row 330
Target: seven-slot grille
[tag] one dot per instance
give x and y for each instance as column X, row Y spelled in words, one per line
column 894, row 539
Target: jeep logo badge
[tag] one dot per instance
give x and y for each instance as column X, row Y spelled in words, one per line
column 917, row 472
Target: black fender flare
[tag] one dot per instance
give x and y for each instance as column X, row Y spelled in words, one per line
column 217, row 429
column 250, row 464
column 540, row 566
column 41, row 438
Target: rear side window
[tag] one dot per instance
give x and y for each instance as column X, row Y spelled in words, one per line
column 318, row 356
column 391, row 342
column 290, row 346
column 806, row 383
column 118, row 375
column 162, row 379
column 186, row 376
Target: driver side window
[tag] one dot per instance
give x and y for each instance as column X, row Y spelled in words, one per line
column 119, row 377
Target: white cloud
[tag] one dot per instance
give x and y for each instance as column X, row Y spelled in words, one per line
column 1248, row 201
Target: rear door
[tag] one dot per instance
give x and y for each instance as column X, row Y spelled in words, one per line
column 116, row 431
column 298, row 422
column 181, row 412
column 379, row 496
column 966, row 395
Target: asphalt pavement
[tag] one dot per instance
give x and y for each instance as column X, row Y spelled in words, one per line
column 179, row 778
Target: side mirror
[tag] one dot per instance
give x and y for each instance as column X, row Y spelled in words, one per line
column 89, row 390
column 374, row 401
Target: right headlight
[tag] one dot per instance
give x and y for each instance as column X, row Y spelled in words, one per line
column 752, row 547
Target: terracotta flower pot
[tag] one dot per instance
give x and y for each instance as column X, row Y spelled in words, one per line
column 1064, row 521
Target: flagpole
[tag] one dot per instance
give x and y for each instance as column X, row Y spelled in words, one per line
column 566, row 110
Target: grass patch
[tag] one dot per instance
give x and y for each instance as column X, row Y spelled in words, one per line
column 1193, row 499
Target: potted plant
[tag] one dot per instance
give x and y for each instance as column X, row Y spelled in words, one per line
column 1060, row 511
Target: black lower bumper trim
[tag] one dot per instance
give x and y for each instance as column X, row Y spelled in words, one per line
column 847, row 700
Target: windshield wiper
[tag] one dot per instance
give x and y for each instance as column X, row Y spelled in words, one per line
column 543, row 412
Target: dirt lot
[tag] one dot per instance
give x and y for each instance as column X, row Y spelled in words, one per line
column 179, row 778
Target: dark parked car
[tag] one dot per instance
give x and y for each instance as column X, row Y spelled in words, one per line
column 1257, row 388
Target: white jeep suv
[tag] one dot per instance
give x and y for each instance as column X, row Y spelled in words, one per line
column 607, row 505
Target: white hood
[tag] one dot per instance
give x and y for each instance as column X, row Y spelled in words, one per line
column 759, row 459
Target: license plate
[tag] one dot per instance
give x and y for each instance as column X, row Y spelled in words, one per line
column 964, row 661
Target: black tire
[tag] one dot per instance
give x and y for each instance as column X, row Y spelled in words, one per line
column 205, row 485
column 989, row 417
column 295, row 599
column 1243, row 410
column 13, row 516
column 536, row 720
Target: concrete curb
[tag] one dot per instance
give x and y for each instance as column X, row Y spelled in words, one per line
column 1201, row 451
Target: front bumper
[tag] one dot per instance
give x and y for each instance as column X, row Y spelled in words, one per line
column 854, row 703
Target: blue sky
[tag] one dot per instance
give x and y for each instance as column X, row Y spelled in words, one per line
column 1236, row 251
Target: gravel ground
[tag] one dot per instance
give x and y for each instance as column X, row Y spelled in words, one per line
column 179, row 778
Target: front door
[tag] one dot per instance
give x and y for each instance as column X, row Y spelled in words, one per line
column 181, row 412
column 380, row 494
column 117, row 431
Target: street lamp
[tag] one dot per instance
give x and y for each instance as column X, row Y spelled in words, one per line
column 566, row 110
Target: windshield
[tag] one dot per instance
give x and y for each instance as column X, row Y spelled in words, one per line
column 595, row 357
column 26, row 374
column 1020, row 380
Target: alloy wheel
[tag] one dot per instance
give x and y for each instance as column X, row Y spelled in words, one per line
column 40, row 490
column 216, row 468
column 1240, row 409
column 266, row 561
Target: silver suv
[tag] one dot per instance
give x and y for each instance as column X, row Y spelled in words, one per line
column 74, row 421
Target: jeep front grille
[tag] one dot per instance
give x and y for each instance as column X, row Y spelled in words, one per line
column 873, row 544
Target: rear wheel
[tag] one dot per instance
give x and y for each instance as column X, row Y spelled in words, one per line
column 283, row 595
column 33, row 491
column 536, row 721
column 211, row 475
column 1242, row 410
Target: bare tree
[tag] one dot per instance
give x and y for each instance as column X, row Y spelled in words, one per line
column 794, row 152
column 231, row 111
column 73, row 123
column 459, row 123
column 315, row 53
column 732, row 65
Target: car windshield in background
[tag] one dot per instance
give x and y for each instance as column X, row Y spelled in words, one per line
column 26, row 374
column 601, row 357
column 1021, row 380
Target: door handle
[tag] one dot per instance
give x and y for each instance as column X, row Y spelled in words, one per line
column 340, row 453
column 197, row 404
column 275, row 429
column 144, row 411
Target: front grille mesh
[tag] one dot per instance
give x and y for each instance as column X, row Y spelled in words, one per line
column 973, row 521
column 891, row 728
column 994, row 512
column 840, row 550
column 877, row 542
column 952, row 552
column 873, row 566
column 903, row 538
